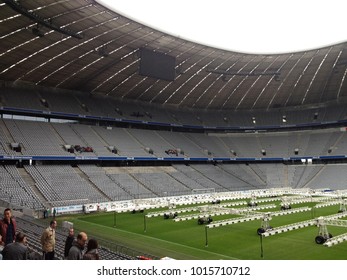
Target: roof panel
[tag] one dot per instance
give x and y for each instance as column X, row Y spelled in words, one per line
column 105, row 61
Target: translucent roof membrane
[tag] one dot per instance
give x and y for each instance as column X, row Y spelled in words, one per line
column 253, row 26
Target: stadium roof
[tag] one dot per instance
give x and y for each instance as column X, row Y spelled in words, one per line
column 81, row 45
column 252, row 26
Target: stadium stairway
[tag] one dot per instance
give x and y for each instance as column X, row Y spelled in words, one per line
column 87, row 179
column 30, row 182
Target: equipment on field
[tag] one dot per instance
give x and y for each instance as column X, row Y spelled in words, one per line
column 170, row 215
column 342, row 206
column 285, row 205
column 265, row 225
column 204, row 220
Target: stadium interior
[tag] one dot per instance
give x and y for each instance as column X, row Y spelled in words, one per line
column 89, row 114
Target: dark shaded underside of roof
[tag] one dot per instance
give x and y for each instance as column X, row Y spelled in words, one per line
column 82, row 46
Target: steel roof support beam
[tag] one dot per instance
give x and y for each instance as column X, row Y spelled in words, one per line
column 15, row 5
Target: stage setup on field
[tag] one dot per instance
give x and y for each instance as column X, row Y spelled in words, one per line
column 244, row 206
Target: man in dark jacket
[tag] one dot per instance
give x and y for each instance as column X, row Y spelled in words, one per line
column 76, row 251
column 8, row 227
column 68, row 242
column 17, row 250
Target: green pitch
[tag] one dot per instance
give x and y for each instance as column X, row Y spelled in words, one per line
column 186, row 240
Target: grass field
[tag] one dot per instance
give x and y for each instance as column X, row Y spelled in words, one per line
column 186, row 240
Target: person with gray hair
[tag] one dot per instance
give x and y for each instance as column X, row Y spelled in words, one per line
column 17, row 250
column 76, row 251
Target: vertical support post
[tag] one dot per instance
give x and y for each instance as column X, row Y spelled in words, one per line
column 144, row 222
column 114, row 218
column 206, row 237
column 261, row 246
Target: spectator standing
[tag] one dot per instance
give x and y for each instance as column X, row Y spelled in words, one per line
column 45, row 214
column 48, row 241
column 92, row 252
column 8, row 227
column 17, row 250
column 76, row 250
column 68, row 242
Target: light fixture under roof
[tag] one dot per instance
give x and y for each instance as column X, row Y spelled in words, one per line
column 37, row 32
